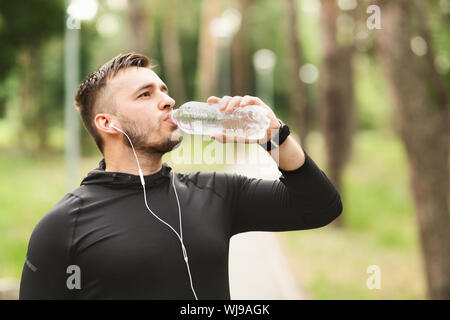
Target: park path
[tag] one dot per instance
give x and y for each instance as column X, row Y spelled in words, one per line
column 9, row 289
column 258, row 268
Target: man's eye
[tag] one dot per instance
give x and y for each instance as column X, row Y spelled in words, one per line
column 145, row 94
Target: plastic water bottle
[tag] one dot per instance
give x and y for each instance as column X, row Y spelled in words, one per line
column 204, row 118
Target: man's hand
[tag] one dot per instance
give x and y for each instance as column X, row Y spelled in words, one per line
column 288, row 156
column 228, row 104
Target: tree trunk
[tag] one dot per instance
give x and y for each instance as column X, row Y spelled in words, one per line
column 421, row 120
column 299, row 104
column 336, row 95
column 171, row 51
column 240, row 64
column 208, row 51
column 140, row 37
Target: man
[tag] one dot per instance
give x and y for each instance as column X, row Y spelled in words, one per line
column 105, row 241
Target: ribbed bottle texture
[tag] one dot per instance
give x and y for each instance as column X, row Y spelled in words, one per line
column 206, row 119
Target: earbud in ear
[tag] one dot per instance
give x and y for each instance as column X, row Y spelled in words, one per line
column 116, row 128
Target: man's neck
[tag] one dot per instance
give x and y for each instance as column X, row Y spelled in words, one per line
column 125, row 161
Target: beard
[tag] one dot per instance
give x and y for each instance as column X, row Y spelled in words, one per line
column 139, row 136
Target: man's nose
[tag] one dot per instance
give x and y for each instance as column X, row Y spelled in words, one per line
column 167, row 102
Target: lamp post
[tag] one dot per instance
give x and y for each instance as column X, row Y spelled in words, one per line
column 77, row 10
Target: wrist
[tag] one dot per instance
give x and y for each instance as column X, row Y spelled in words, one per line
column 275, row 140
column 289, row 156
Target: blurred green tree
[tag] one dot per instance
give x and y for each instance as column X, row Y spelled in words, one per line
column 140, row 38
column 421, row 116
column 26, row 27
column 208, row 51
column 240, row 55
column 300, row 104
column 170, row 42
column 336, row 89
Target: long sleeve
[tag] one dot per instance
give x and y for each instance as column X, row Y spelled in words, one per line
column 301, row 199
column 44, row 272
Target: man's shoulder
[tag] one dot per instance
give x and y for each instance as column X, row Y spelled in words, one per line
column 54, row 228
column 61, row 214
column 70, row 202
column 221, row 182
column 206, row 177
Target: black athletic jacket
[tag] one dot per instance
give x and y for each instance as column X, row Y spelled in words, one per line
column 124, row 252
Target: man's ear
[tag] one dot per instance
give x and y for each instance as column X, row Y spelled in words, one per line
column 102, row 122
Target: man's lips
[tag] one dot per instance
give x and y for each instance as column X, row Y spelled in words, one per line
column 168, row 120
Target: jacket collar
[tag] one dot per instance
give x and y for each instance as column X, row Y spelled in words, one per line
column 102, row 177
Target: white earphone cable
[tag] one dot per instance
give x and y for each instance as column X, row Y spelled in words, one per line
column 180, row 236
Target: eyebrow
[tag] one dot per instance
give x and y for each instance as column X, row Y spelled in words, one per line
column 152, row 85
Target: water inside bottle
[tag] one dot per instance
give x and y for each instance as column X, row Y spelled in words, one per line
column 206, row 119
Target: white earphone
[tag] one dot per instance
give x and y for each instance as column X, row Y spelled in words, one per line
column 180, row 236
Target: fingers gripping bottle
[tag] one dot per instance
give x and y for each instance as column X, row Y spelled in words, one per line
column 203, row 118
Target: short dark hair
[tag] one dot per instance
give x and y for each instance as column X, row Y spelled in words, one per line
column 88, row 92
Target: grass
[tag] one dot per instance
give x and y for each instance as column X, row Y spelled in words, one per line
column 25, row 194
column 380, row 229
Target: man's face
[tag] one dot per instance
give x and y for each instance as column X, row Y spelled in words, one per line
column 142, row 104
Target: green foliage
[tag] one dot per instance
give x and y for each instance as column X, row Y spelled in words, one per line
column 27, row 24
column 27, row 30
column 23, row 204
column 381, row 230
column 378, row 196
column 374, row 109
column 23, row 25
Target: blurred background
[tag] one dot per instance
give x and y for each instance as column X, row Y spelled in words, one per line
column 363, row 86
